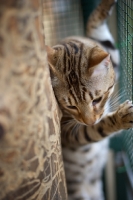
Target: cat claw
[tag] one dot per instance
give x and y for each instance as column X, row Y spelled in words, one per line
column 125, row 115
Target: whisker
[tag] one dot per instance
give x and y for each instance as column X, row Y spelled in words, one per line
column 74, row 128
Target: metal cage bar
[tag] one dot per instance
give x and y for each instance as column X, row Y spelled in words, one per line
column 125, row 32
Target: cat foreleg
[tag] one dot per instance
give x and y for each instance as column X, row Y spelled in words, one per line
column 112, row 123
column 108, row 125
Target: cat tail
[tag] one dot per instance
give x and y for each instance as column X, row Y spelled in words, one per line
column 96, row 25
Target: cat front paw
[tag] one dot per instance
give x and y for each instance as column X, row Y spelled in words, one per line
column 124, row 114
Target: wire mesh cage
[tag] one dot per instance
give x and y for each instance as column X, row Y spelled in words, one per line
column 125, row 32
column 62, row 18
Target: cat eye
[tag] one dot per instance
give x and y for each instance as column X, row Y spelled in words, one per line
column 96, row 101
column 72, row 107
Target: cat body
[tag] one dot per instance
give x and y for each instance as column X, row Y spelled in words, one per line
column 83, row 79
column 84, row 164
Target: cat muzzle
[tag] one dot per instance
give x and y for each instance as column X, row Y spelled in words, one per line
column 89, row 121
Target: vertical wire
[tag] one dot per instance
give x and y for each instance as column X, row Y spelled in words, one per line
column 131, row 5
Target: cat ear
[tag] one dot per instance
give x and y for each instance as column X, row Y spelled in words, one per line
column 101, row 68
column 51, row 55
column 106, row 61
column 50, row 51
column 97, row 55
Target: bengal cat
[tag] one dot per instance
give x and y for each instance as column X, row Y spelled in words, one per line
column 83, row 79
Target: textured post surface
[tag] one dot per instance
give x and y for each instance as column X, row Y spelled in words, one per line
column 31, row 166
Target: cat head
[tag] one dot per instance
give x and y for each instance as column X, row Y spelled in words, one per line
column 82, row 78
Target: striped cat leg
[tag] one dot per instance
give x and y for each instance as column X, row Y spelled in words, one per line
column 113, row 122
column 96, row 26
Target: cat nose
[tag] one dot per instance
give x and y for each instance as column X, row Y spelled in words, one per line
column 89, row 121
